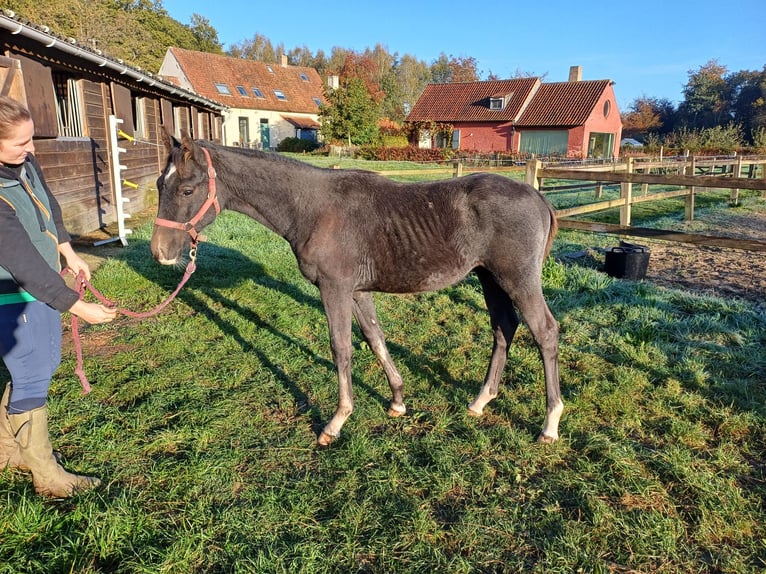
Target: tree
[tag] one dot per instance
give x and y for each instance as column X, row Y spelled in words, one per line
column 748, row 90
column 707, row 97
column 350, row 114
column 449, row 69
column 644, row 117
column 205, row 34
column 258, row 48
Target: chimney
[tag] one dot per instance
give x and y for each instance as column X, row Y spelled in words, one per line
column 284, row 60
column 575, row 73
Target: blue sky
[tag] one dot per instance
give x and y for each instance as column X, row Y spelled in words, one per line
column 646, row 48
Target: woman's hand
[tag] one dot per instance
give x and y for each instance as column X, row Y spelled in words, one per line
column 74, row 261
column 93, row 313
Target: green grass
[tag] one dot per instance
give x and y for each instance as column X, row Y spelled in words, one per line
column 203, row 420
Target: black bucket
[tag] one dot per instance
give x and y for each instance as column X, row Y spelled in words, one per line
column 628, row 261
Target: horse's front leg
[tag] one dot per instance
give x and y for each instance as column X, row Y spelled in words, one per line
column 367, row 317
column 337, row 305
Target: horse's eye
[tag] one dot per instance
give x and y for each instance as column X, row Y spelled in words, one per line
column 187, row 192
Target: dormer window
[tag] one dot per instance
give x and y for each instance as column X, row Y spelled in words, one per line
column 496, row 103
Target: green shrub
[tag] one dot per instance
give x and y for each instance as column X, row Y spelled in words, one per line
column 409, row 153
column 297, row 145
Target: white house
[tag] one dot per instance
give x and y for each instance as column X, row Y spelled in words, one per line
column 266, row 102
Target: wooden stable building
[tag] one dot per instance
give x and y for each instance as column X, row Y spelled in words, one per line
column 97, row 121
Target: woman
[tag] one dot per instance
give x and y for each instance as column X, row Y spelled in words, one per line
column 32, row 297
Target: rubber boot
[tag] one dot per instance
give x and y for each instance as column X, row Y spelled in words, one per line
column 48, row 476
column 10, row 455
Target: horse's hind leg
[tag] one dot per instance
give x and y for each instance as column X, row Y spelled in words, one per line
column 367, row 317
column 504, row 322
column 545, row 330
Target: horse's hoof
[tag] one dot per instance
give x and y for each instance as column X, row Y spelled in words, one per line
column 325, row 439
column 394, row 412
column 472, row 413
column 545, row 439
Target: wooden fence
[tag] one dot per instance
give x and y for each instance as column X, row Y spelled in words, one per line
column 692, row 175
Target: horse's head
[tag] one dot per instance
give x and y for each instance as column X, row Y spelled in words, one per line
column 187, row 193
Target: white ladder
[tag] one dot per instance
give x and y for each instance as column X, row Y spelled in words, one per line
column 117, row 169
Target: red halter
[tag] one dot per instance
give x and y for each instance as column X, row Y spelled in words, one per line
column 212, row 200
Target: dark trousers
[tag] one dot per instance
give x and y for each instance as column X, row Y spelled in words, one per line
column 30, row 344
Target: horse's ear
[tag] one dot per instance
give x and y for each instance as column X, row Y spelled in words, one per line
column 191, row 149
column 168, row 141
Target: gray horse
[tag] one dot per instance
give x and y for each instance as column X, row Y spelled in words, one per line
column 354, row 232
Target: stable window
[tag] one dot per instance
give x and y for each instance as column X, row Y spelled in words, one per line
column 280, row 95
column 69, row 112
column 258, row 93
column 223, row 89
column 242, row 91
column 139, row 113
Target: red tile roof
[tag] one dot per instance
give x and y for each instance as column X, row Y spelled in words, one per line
column 469, row 101
column 563, row 103
column 204, row 70
column 532, row 103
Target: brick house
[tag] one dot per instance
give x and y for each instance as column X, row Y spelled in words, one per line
column 266, row 102
column 577, row 119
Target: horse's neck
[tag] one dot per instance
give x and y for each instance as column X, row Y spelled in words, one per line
column 272, row 193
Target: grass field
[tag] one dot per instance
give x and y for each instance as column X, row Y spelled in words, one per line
column 203, row 420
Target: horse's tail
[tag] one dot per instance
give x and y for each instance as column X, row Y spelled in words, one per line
column 553, row 229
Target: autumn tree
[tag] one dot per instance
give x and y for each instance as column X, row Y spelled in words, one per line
column 449, row 69
column 351, row 114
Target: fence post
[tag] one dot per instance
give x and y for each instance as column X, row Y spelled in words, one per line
column 458, row 168
column 734, row 197
column 533, row 168
column 689, row 209
column 626, row 194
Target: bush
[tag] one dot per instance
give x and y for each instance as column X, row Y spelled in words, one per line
column 409, row 153
column 297, row 145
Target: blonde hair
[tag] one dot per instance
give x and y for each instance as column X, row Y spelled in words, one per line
column 12, row 112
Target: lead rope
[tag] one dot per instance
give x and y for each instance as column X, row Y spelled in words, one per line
column 83, row 284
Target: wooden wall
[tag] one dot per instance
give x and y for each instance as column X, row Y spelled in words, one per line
column 79, row 169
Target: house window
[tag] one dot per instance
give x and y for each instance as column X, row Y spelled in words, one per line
column 223, row 89
column 280, row 95
column 270, row 69
column 242, row 91
column 69, row 114
column 244, row 132
column 317, row 101
column 607, row 108
column 258, row 93
column 304, row 77
column 496, row 103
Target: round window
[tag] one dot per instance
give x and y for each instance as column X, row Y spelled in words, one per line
column 607, row 107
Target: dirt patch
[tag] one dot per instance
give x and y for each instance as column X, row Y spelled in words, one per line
column 714, row 270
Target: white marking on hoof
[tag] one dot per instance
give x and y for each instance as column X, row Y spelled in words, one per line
column 395, row 411
column 473, row 413
column 545, row 439
column 326, row 439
